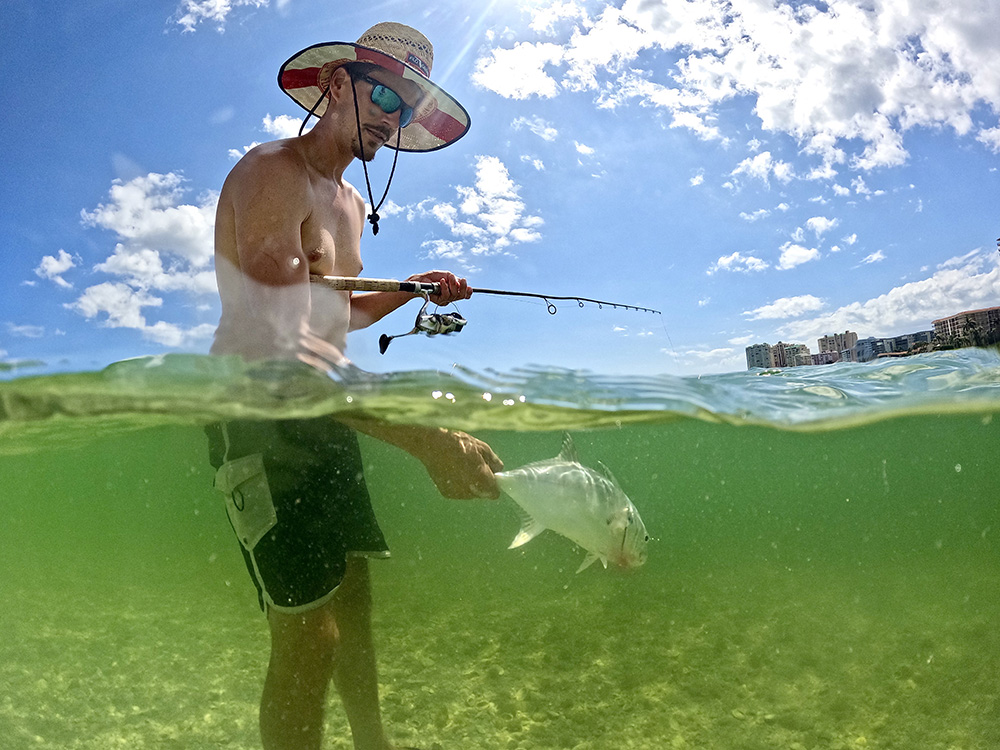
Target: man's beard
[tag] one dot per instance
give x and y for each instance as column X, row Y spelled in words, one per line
column 363, row 154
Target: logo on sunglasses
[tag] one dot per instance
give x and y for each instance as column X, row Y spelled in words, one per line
column 419, row 64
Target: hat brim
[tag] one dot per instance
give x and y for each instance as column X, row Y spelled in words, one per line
column 433, row 127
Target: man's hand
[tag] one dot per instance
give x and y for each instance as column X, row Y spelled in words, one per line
column 460, row 465
column 453, row 288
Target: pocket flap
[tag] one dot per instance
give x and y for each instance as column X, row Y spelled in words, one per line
column 234, row 473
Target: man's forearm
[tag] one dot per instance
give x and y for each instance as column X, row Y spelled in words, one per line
column 370, row 307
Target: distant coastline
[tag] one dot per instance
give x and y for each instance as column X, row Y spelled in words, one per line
column 971, row 328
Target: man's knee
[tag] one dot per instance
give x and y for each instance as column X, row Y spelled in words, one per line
column 355, row 593
column 311, row 636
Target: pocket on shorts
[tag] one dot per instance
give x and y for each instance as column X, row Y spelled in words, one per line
column 248, row 498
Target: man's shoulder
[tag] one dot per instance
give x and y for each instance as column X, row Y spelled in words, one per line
column 276, row 165
column 279, row 156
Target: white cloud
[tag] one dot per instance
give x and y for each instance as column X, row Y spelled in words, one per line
column 53, row 268
column 486, row 219
column 122, row 304
column 990, row 137
column 820, row 225
column 147, row 212
column 543, row 20
column 190, row 13
column 846, row 78
column 738, row 262
column 26, row 331
column 123, row 308
column 281, row 126
column 519, row 72
column 960, row 261
column 793, row 254
column 760, row 213
column 698, row 179
column 163, row 245
column 787, row 307
column 762, row 166
column 538, row 126
column 875, row 257
column 582, row 148
column 722, row 359
column 967, row 282
column 707, row 354
column 143, row 268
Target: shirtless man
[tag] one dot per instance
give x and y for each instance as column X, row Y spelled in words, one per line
column 295, row 490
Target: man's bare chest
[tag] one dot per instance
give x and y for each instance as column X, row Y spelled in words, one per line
column 331, row 240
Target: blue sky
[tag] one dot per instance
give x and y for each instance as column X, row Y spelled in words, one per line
column 757, row 170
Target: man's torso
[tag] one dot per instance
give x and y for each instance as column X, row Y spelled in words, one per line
column 330, row 241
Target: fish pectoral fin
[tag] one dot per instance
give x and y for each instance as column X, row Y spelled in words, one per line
column 530, row 528
column 590, row 559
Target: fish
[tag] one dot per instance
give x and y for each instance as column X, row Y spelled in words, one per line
column 585, row 505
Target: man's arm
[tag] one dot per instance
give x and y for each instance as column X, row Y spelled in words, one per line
column 460, row 465
column 270, row 197
column 370, row 307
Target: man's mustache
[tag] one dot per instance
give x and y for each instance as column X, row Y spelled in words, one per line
column 382, row 131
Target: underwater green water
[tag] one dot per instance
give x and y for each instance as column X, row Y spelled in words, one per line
column 825, row 570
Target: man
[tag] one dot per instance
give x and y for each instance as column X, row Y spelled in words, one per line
column 295, row 491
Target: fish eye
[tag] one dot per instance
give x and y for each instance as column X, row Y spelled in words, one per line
column 647, row 538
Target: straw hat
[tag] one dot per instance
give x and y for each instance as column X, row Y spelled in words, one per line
column 438, row 121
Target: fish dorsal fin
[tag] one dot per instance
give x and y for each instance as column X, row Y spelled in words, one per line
column 530, row 528
column 568, row 452
column 590, row 559
column 606, row 473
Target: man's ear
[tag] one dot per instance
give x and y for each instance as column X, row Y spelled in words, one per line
column 340, row 81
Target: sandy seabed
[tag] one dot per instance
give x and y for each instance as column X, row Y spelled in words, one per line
column 538, row 660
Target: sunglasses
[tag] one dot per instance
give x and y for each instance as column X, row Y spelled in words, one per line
column 389, row 101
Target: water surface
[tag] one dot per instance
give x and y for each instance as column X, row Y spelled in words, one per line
column 825, row 571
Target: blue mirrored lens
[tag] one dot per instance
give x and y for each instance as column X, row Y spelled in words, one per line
column 389, row 101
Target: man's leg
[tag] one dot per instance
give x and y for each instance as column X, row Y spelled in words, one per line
column 292, row 706
column 354, row 669
column 308, row 649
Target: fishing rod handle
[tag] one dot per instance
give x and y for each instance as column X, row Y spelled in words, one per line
column 353, row 284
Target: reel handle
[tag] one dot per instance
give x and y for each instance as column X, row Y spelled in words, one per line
column 352, row 284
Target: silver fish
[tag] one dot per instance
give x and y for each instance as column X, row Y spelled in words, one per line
column 586, row 506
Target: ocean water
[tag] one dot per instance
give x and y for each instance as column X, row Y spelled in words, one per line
column 824, row 573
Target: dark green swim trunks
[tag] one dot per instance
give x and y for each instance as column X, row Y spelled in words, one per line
column 297, row 500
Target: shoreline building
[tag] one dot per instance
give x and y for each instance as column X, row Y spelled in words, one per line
column 954, row 326
column 838, row 342
column 779, row 355
column 759, row 355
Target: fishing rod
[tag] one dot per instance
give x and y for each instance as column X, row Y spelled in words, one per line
column 452, row 322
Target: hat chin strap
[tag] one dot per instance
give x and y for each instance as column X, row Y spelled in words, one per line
column 373, row 217
column 311, row 112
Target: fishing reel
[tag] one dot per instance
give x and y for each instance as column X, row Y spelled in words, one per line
column 431, row 324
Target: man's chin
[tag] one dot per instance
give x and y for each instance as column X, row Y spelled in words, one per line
column 367, row 154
